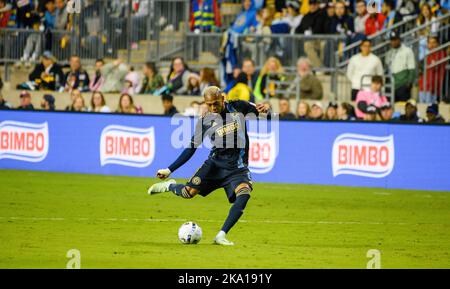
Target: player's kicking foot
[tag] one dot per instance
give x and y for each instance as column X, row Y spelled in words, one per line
column 221, row 240
column 161, row 187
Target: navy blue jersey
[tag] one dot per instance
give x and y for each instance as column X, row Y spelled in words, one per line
column 227, row 132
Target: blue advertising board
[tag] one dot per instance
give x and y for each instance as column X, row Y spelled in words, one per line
column 384, row 155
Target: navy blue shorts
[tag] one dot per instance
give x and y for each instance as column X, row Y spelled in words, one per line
column 209, row 177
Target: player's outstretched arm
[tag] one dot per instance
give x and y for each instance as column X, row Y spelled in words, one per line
column 181, row 160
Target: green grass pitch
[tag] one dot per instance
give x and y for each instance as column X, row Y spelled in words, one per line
column 115, row 224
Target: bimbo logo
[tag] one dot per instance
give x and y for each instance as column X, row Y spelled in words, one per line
column 262, row 152
column 363, row 155
column 23, row 141
column 127, row 146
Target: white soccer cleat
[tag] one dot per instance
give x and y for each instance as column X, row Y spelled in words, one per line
column 221, row 240
column 161, row 187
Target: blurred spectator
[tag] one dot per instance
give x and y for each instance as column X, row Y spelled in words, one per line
column 401, row 62
column 433, row 115
column 114, row 74
column 126, row 105
column 77, row 77
column 248, row 67
column 407, row 9
column 346, row 111
column 208, row 78
column 97, row 78
column 361, row 17
column 3, row 103
column 25, row 101
column 426, row 16
column 132, row 82
column 152, row 79
column 310, row 85
column 246, row 20
column 363, row 64
column 303, row 110
column 272, row 70
column 392, row 16
column 386, row 112
column 50, row 14
column 61, row 16
column 331, row 112
column 372, row 97
column 285, row 109
column 73, row 95
column 194, row 85
column 315, row 22
column 374, row 23
column 177, row 80
column 232, row 82
column 241, row 91
column 47, row 75
column 342, row 22
column 294, row 18
column 167, row 102
column 205, row 16
column 193, row 109
column 370, row 113
column 316, row 111
column 78, row 104
column 410, row 112
column 430, row 84
column 33, row 46
column 98, row 103
column 23, row 11
column 5, row 13
column 48, row 102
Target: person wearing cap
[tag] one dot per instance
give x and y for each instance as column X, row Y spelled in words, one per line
column 316, row 111
column 386, row 112
column 331, row 112
column 370, row 113
column 294, row 18
column 47, row 75
column 48, row 102
column 361, row 65
column 433, row 115
column 77, row 77
column 284, row 108
column 401, row 63
column 410, row 112
column 25, row 101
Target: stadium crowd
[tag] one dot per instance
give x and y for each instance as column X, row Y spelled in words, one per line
column 246, row 82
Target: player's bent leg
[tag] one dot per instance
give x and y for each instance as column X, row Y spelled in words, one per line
column 242, row 196
column 183, row 191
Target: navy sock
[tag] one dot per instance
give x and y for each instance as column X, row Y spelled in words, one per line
column 236, row 212
column 180, row 190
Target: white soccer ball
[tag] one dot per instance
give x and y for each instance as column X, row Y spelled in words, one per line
column 190, row 233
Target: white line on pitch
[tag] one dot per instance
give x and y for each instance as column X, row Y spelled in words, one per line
column 205, row 221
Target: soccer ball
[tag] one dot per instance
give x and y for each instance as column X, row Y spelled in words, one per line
column 190, row 233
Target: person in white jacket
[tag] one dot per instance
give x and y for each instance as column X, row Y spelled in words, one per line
column 362, row 67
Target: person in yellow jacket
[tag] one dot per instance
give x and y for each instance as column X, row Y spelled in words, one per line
column 241, row 91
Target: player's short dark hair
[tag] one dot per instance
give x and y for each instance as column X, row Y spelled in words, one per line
column 167, row 97
column 377, row 79
column 241, row 78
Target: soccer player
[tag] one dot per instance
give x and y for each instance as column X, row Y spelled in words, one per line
column 227, row 163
